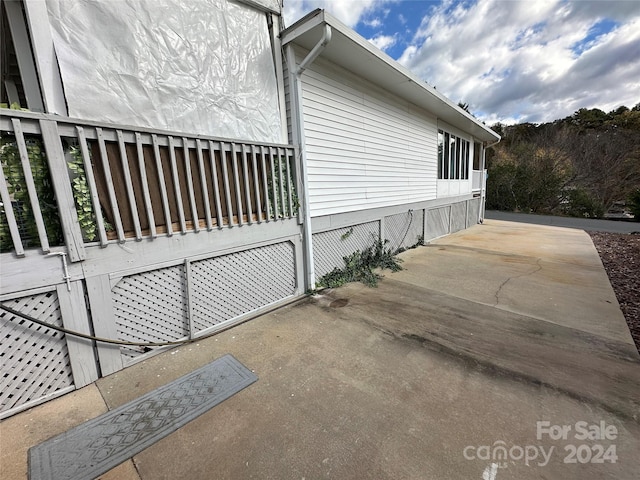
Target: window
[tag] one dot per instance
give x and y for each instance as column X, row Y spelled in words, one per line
column 476, row 156
column 453, row 157
column 440, row 152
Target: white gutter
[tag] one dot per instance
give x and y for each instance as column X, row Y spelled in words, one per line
column 350, row 50
column 313, row 54
column 298, row 130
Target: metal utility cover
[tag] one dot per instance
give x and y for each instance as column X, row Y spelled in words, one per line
column 102, row 443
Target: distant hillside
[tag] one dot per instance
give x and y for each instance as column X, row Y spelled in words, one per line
column 582, row 165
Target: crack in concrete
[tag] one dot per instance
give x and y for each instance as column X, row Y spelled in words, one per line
column 536, row 270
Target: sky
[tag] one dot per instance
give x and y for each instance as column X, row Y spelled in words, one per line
column 511, row 61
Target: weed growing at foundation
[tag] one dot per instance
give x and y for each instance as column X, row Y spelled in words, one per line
column 360, row 266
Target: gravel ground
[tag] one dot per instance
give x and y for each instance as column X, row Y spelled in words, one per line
column 620, row 254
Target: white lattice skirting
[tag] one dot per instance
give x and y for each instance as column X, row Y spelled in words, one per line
column 154, row 306
column 34, row 360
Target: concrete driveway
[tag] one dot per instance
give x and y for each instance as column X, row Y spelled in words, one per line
column 498, row 353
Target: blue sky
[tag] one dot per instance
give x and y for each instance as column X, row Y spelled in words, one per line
column 511, row 61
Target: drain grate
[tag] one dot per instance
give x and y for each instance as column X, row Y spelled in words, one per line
column 98, row 445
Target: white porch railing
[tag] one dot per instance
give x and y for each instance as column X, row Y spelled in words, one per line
column 115, row 183
column 477, row 179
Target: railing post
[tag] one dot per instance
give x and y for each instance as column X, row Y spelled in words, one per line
column 73, row 310
column 62, row 188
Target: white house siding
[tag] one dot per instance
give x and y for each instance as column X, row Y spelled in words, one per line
column 365, row 148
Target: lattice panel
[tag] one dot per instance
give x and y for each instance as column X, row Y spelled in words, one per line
column 330, row 247
column 225, row 287
column 437, row 222
column 458, row 216
column 151, row 307
column 473, row 211
column 34, row 360
column 404, row 229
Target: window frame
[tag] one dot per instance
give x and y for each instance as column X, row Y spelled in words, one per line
column 453, row 156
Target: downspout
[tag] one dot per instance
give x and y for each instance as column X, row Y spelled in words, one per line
column 483, row 190
column 315, row 51
column 307, row 234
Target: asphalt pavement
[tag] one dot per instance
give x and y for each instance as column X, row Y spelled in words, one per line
column 589, row 224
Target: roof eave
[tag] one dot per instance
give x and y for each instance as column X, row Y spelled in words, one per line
column 386, row 72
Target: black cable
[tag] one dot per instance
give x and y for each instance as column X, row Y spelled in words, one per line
column 407, row 232
column 99, row 339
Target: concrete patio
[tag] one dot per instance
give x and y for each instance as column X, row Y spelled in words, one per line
column 484, row 336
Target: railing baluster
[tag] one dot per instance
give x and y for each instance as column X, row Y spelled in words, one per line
column 216, row 188
column 129, row 185
column 146, row 195
column 192, row 199
column 109, row 181
column 203, row 183
column 163, row 184
column 254, row 164
column 93, row 188
column 247, row 191
column 225, row 178
column 236, row 182
column 31, row 186
column 265, row 182
column 287, row 152
column 176, row 185
column 274, row 187
column 281, row 183
column 263, row 188
column 11, row 218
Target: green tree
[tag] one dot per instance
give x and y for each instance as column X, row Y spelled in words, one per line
column 580, row 203
column 580, row 165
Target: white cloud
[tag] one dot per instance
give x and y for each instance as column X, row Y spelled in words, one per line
column 510, row 60
column 383, row 41
column 373, row 23
column 513, row 61
column 350, row 12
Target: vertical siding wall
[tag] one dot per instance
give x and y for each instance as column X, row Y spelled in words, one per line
column 365, row 148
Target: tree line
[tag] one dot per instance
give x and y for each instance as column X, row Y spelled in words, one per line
column 582, row 165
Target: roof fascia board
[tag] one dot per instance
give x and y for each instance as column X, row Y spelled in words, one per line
column 363, row 43
column 411, row 77
column 302, row 26
column 318, row 17
column 443, row 125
